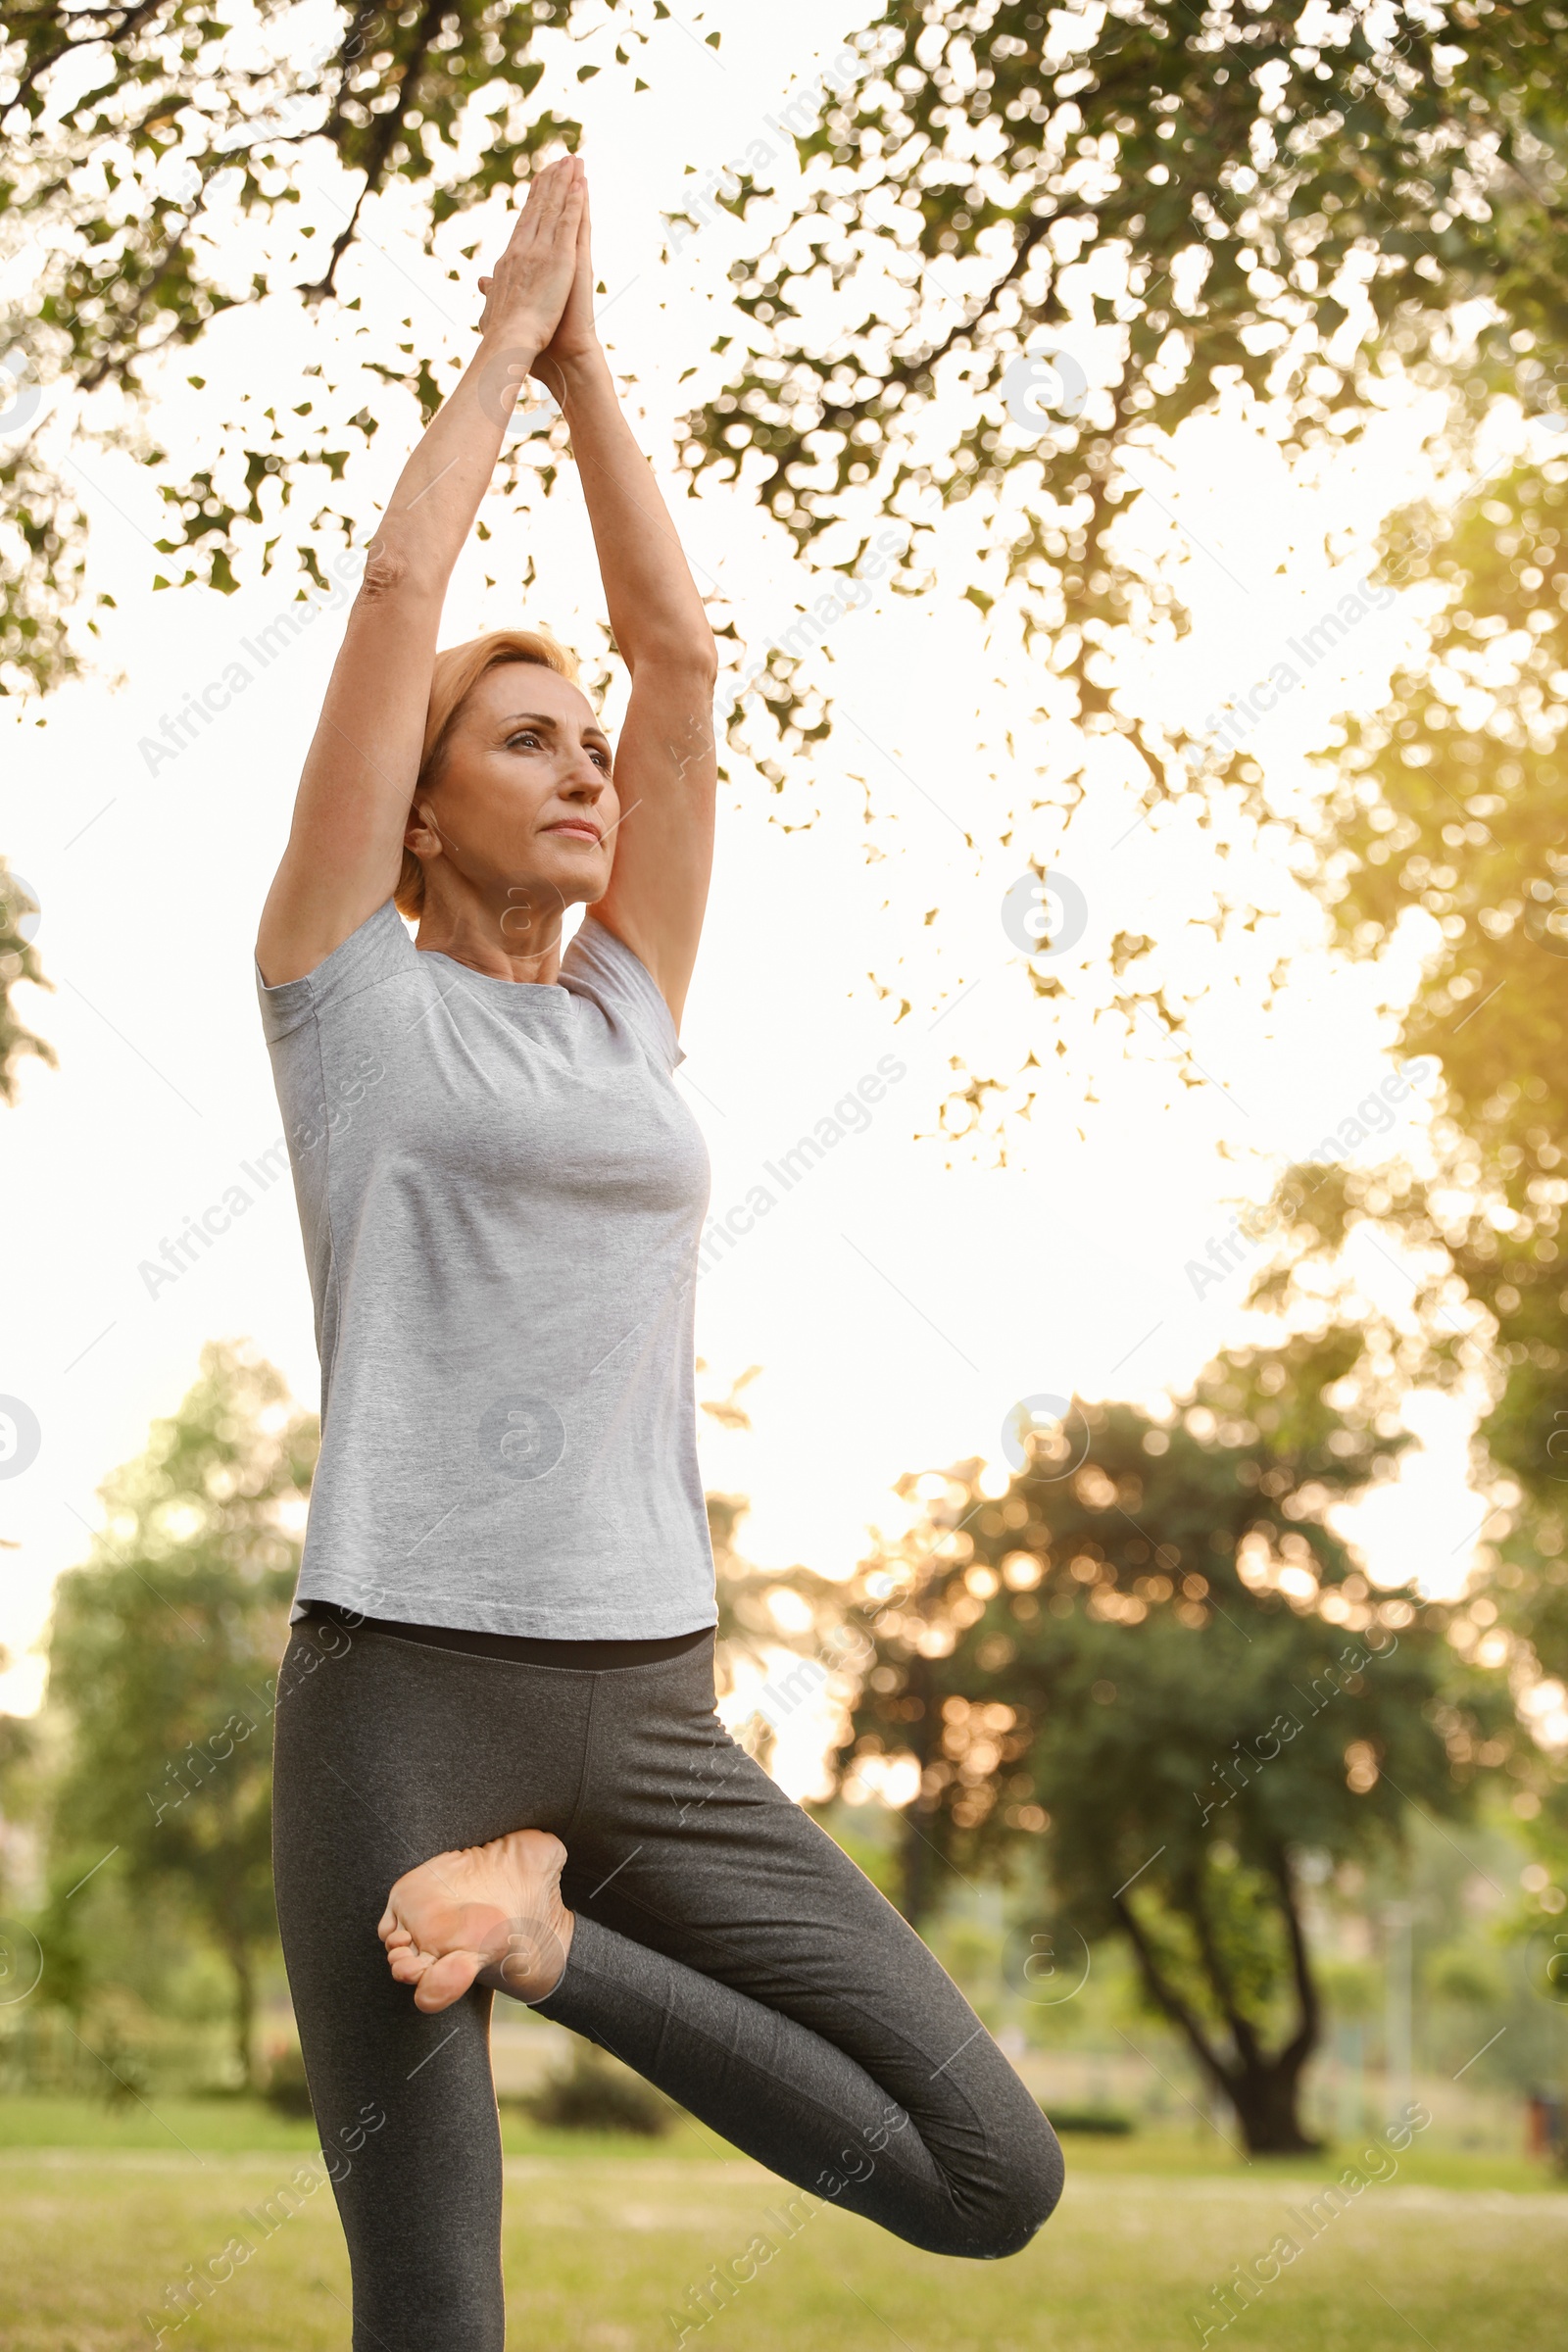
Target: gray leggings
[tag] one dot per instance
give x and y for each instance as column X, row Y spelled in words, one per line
column 726, row 1947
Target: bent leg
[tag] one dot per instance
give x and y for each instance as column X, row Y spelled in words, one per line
column 733, row 1954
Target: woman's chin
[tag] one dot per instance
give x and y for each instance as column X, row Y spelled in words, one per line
column 575, row 875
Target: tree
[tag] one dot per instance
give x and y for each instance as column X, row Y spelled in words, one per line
column 141, row 133
column 1448, row 823
column 1205, row 205
column 19, row 960
column 162, row 1654
column 1199, row 204
column 1261, row 201
column 18, row 1788
column 1153, row 1671
column 1449, row 819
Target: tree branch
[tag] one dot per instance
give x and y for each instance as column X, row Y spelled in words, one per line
column 1305, row 2040
column 383, row 138
column 1167, row 1997
column 1219, row 1977
column 125, row 21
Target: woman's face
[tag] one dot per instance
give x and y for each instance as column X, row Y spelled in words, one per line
column 523, row 808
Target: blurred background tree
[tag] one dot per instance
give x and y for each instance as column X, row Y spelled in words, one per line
column 162, row 1656
column 1261, row 211
column 1211, row 207
column 1204, row 205
column 19, row 1752
column 1446, row 827
column 136, row 134
column 1153, row 1648
column 19, row 960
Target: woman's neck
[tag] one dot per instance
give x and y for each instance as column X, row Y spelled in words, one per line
column 514, row 944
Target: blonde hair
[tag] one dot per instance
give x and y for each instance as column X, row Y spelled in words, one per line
column 456, row 674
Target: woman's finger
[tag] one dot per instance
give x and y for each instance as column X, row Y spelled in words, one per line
column 537, row 205
column 574, row 211
column 554, row 183
column 584, row 236
column 554, row 245
column 558, row 212
column 544, row 222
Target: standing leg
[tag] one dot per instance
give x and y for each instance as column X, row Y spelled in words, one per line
column 388, row 1752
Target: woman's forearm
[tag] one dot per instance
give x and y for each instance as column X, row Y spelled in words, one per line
column 438, row 493
column 654, row 610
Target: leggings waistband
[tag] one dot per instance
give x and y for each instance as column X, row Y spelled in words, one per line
column 524, row 1648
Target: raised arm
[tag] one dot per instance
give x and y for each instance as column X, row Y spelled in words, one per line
column 346, row 843
column 666, row 773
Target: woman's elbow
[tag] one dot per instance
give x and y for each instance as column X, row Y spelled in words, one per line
column 395, row 573
column 694, row 660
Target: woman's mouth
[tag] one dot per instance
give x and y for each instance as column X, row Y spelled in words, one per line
column 577, row 828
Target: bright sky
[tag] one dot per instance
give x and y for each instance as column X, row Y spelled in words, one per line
column 904, row 1295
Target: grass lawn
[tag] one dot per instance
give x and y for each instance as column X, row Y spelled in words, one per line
column 99, row 2214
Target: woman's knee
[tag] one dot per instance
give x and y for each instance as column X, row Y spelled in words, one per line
column 1027, row 2192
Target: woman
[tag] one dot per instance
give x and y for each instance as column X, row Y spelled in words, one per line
column 501, row 1192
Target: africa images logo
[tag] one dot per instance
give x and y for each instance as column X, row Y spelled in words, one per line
column 523, row 1436
column 20, row 1436
column 1044, row 383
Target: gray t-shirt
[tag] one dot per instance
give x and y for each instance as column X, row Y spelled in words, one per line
column 501, row 1192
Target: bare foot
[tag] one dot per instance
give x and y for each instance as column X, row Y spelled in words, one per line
column 493, row 1909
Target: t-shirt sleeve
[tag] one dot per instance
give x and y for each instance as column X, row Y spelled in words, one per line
column 380, row 950
column 604, row 968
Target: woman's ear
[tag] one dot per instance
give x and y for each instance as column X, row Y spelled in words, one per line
column 422, row 834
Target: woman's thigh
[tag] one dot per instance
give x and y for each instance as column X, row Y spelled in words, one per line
column 684, row 1843
column 387, row 1752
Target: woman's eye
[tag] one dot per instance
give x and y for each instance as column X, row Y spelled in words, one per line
column 525, row 735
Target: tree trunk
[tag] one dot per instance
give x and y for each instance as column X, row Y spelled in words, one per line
column 1264, row 2098
column 919, row 1821
column 1262, row 2087
column 239, row 1958
column 915, row 1874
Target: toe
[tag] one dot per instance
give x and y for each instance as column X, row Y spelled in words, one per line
column 447, row 1979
